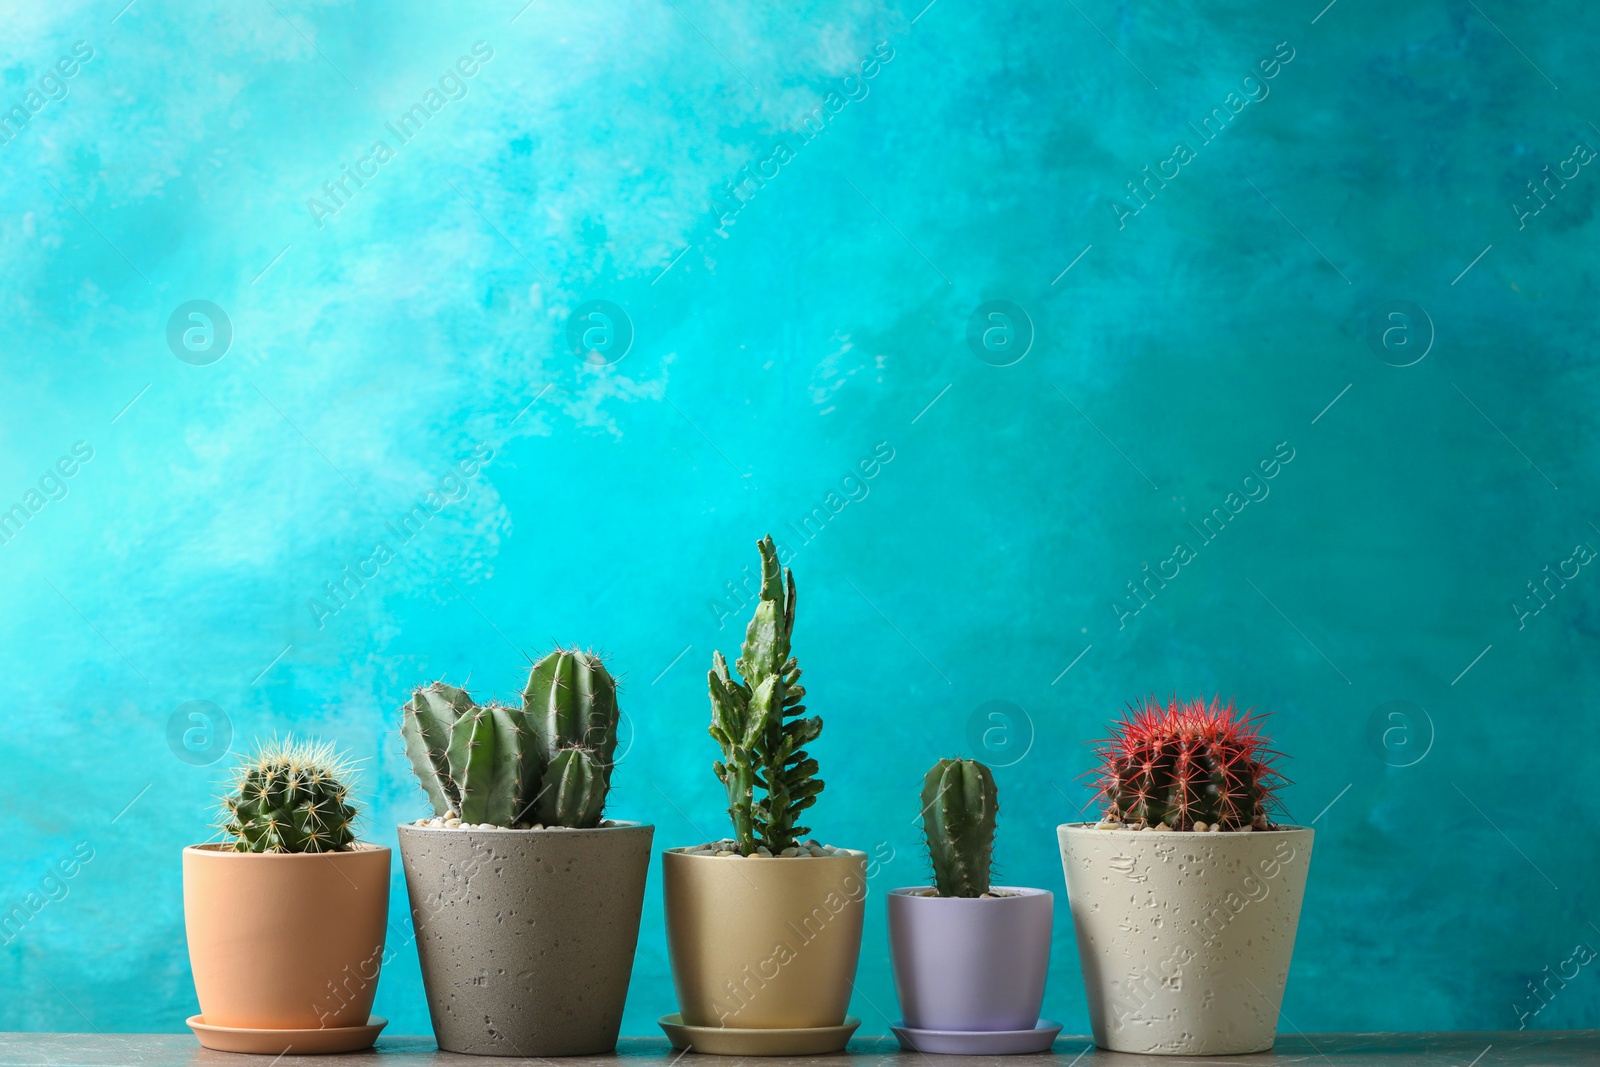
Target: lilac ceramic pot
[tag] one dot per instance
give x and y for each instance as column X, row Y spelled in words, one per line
column 970, row 963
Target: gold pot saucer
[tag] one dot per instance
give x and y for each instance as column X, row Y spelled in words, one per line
column 733, row 1041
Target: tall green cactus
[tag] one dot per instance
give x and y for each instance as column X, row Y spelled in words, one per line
column 959, row 805
column 759, row 722
column 290, row 797
column 548, row 761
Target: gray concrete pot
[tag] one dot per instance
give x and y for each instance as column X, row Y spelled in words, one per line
column 526, row 937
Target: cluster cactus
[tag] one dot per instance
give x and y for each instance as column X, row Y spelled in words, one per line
column 290, row 796
column 1189, row 766
column 959, row 805
column 759, row 720
column 547, row 762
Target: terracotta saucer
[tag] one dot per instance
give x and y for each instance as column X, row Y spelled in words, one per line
column 276, row 1042
column 979, row 1042
column 735, row 1041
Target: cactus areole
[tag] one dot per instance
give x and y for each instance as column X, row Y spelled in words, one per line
column 760, row 723
column 1186, row 764
column 547, row 762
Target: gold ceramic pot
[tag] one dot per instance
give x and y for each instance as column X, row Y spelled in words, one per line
column 285, row 940
column 764, row 943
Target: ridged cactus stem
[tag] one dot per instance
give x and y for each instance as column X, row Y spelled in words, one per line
column 425, row 722
column 290, row 797
column 548, row 760
column 1188, row 766
column 758, row 719
column 959, row 807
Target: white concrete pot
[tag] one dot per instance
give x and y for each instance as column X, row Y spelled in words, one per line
column 1184, row 938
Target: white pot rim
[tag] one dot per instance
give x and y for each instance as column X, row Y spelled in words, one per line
column 1090, row 827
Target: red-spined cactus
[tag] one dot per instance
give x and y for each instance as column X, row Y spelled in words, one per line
column 1188, row 763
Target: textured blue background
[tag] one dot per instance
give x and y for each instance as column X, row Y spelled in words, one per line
column 375, row 349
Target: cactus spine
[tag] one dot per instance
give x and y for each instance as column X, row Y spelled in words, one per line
column 290, row 797
column 548, row 761
column 1188, row 763
column 758, row 719
column 959, row 805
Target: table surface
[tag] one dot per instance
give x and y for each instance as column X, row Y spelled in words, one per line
column 1527, row 1048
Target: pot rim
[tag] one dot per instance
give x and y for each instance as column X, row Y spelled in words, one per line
column 1090, row 827
column 217, row 848
column 841, row 854
column 1015, row 892
column 616, row 824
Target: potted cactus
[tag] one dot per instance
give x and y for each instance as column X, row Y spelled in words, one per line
column 764, row 928
column 1186, row 895
column 286, row 916
column 969, row 957
column 525, row 899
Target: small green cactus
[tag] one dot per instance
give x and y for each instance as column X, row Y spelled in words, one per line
column 548, row 761
column 959, row 805
column 760, row 725
column 290, row 797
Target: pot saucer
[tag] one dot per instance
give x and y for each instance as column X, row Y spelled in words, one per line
column 734, row 1041
column 979, row 1042
column 277, row 1042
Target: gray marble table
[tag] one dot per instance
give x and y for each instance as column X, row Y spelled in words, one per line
column 1528, row 1048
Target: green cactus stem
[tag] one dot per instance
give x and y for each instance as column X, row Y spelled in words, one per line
column 290, row 797
column 959, row 806
column 485, row 757
column 425, row 722
column 758, row 720
column 547, row 761
column 574, row 789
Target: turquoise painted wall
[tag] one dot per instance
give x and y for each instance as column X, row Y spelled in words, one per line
column 1335, row 264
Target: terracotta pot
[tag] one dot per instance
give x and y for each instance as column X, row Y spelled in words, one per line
column 526, row 937
column 1184, row 937
column 970, row 963
column 285, row 941
column 764, row 943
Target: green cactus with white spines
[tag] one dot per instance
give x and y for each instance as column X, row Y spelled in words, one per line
column 959, row 805
column 760, row 723
column 290, row 797
column 548, row 761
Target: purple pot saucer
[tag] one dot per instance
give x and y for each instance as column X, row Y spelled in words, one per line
column 979, row 1042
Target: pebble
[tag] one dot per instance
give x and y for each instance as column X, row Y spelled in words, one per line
column 1246, row 829
column 452, row 822
column 792, row 850
column 451, row 815
column 763, row 850
column 1215, row 827
column 725, row 852
column 1200, row 827
column 1109, row 826
column 436, row 821
column 1160, row 826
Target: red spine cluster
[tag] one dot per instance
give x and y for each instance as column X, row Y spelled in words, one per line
column 1189, row 762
